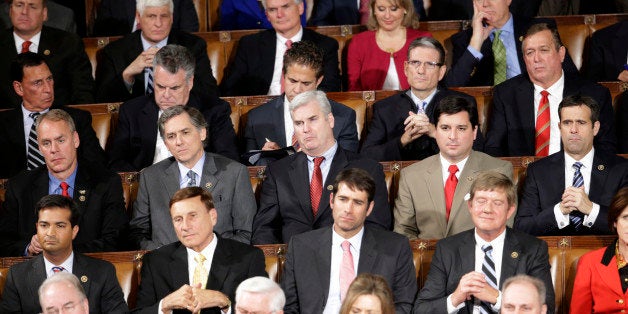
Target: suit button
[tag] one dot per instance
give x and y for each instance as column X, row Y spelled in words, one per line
column 562, row 224
column 589, row 224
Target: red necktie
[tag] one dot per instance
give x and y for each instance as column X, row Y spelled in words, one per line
column 543, row 126
column 364, row 11
column 295, row 142
column 450, row 188
column 316, row 185
column 288, row 46
column 347, row 272
column 25, row 46
column 64, row 189
column 57, row 269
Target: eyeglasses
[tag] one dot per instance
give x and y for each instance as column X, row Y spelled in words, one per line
column 429, row 65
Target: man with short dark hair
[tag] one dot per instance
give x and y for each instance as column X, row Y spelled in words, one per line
column 569, row 192
column 57, row 225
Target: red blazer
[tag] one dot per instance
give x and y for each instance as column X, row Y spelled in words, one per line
column 597, row 288
column 367, row 64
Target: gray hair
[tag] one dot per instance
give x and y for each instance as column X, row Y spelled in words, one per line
column 265, row 286
column 173, row 58
column 143, row 4
column 62, row 278
column 306, row 97
column 537, row 283
column 196, row 117
column 428, row 42
column 56, row 115
column 295, row 1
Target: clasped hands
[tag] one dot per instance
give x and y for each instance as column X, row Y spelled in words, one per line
column 474, row 284
column 416, row 125
column 575, row 199
column 193, row 299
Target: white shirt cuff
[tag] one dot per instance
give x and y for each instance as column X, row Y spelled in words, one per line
column 159, row 308
column 589, row 219
column 562, row 220
column 451, row 309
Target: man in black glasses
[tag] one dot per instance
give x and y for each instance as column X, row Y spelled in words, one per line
column 403, row 124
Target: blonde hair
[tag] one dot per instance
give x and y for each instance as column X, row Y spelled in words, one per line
column 410, row 19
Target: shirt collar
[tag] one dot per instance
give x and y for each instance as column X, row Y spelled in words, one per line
column 207, row 252
column 356, row 240
column 26, row 112
column 497, row 242
column 19, row 41
column 66, row 264
column 146, row 44
column 587, row 160
column 555, row 89
column 329, row 154
column 198, row 168
column 295, row 38
column 70, row 180
column 445, row 163
column 417, row 101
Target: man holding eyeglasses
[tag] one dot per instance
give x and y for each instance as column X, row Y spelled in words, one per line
column 403, row 124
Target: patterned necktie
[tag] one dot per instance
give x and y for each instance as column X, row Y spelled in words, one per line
column 192, row 178
column 576, row 217
column 200, row 272
column 64, row 189
column 488, row 268
column 57, row 269
column 316, row 185
column 364, row 11
column 347, row 272
column 542, row 136
column 295, row 142
column 499, row 53
column 421, row 107
column 450, row 188
column 34, row 158
column 149, row 81
column 26, row 46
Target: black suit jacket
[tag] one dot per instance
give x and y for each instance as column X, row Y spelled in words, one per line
column 383, row 142
column 97, row 193
column 117, row 55
column 266, row 121
column 463, row 9
column 101, row 286
column 544, row 186
column 455, row 256
column 305, row 279
column 116, row 17
column 466, row 70
column 133, row 146
column 335, row 12
column 65, row 55
column 165, row 270
column 251, row 71
column 621, row 116
column 511, row 130
column 607, row 52
column 12, row 140
column 285, row 208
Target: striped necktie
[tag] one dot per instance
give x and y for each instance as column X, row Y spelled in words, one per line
column 576, row 217
column 34, row 158
column 499, row 53
column 488, row 268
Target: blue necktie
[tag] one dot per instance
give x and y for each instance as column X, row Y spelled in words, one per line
column 577, row 217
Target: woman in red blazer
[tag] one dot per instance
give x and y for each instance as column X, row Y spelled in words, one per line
column 602, row 277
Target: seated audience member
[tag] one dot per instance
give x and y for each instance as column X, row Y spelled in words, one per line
column 599, row 282
column 119, row 17
column 348, row 12
column 96, row 191
column 403, row 124
column 63, row 51
column 523, row 294
column 63, row 291
column 135, row 143
column 422, row 210
column 202, row 269
column 375, row 58
column 57, row 226
column 246, row 14
column 125, row 69
column 183, row 130
column 59, row 16
column 269, row 127
column 607, row 54
column 259, row 295
column 444, row 10
column 34, row 83
column 524, row 117
column 368, row 293
column 568, row 193
column 467, row 269
column 256, row 68
column 321, row 264
column 621, row 116
column 489, row 52
column 286, row 208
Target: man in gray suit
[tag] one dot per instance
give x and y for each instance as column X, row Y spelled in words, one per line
column 422, row 210
column 321, row 263
column 184, row 130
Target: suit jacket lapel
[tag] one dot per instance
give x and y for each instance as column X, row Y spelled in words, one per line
column 170, row 179
column 368, row 253
column 279, row 123
column 82, row 189
column 37, row 275
column 299, row 178
column 78, row 269
column 525, row 110
column 220, row 266
column 209, row 178
column 436, row 190
column 148, row 121
column 519, row 27
column 40, row 188
column 16, row 122
column 609, row 275
column 555, row 182
column 598, row 177
column 466, row 251
column 337, row 164
column 268, row 49
column 178, row 267
column 509, row 261
column 323, row 262
column 464, row 185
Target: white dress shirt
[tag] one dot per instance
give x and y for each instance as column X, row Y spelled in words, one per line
column 333, row 298
column 325, row 165
column 34, row 42
column 161, row 151
column 67, row 265
column 198, row 170
column 287, row 122
column 275, row 83
column 444, row 163
column 555, row 97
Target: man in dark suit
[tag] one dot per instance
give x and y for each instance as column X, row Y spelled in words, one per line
column 403, row 124
column 286, row 208
column 474, row 62
column 320, row 264
column 266, row 125
column 119, row 17
column 256, row 68
column 59, row 16
column 468, row 269
column 97, row 191
column 27, row 69
column 569, row 192
column 135, row 143
column 608, row 54
column 203, row 270
column 57, row 226
column 64, row 53
column 514, row 122
column 125, row 69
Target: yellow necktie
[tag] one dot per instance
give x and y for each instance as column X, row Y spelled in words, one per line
column 200, row 273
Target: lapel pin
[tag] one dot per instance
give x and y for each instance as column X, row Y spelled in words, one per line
column 47, row 52
column 83, row 279
column 514, row 254
column 469, row 178
column 82, row 198
column 208, row 185
column 600, row 167
column 467, row 197
column 520, row 38
column 82, row 192
column 330, row 187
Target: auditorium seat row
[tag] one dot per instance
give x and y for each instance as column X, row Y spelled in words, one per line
column 564, row 253
column 574, row 30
